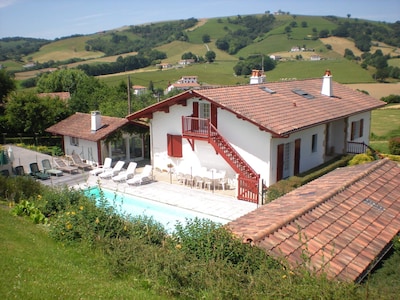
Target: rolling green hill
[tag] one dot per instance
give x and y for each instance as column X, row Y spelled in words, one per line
column 303, row 33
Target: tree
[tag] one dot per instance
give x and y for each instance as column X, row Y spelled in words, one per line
column 7, row 84
column 65, row 80
column 26, row 112
column 206, row 38
column 210, row 56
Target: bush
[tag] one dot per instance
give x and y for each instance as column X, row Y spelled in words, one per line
column 14, row 189
column 361, row 159
column 391, row 99
column 394, row 146
column 284, row 186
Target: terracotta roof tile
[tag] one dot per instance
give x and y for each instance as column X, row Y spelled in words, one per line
column 343, row 220
column 79, row 125
column 282, row 112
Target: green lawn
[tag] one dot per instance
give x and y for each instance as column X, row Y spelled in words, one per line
column 386, row 123
column 33, row 266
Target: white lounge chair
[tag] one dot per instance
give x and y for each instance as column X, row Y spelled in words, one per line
column 125, row 175
column 114, row 171
column 102, row 168
column 143, row 177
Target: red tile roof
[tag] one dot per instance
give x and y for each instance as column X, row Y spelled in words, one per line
column 278, row 109
column 62, row 95
column 344, row 221
column 79, row 126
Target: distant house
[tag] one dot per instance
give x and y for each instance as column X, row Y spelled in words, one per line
column 29, row 65
column 275, row 57
column 342, row 223
column 295, row 49
column 184, row 83
column 86, row 135
column 139, row 90
column 260, row 133
column 164, row 66
column 315, row 57
column 185, row 62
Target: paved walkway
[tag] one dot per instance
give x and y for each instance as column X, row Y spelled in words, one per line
column 165, row 189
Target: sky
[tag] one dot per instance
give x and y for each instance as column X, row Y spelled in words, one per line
column 50, row 19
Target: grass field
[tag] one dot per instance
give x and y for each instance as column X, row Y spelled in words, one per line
column 65, row 49
column 33, row 266
column 385, row 124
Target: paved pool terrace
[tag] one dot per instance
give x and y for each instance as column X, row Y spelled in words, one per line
column 164, row 188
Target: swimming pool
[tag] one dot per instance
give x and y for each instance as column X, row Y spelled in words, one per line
column 167, row 215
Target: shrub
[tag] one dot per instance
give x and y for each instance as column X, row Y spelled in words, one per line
column 394, row 146
column 391, row 99
column 14, row 189
column 361, row 159
column 27, row 208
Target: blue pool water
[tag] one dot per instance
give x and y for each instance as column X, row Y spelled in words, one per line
column 165, row 214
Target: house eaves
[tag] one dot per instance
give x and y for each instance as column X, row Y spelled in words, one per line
column 79, row 125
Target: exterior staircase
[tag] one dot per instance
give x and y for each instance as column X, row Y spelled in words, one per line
column 248, row 181
column 202, row 129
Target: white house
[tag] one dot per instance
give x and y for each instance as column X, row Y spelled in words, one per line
column 260, row 133
column 87, row 135
column 139, row 90
column 184, row 83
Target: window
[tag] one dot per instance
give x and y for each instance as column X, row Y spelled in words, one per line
column 357, row 129
column 314, row 143
column 74, row 141
column 205, row 110
column 174, row 145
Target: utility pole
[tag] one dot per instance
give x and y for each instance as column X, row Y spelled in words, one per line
column 129, row 96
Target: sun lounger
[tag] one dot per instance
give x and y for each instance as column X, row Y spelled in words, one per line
column 47, row 168
column 35, row 172
column 114, row 171
column 101, row 169
column 20, row 171
column 125, row 175
column 77, row 161
column 143, row 177
column 61, row 165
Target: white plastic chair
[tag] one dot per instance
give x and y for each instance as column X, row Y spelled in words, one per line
column 102, row 168
column 125, row 175
column 145, row 176
column 114, row 171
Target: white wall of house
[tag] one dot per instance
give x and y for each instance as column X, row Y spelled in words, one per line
column 86, row 149
column 366, row 116
column 308, row 158
column 168, row 123
column 250, row 142
column 336, row 137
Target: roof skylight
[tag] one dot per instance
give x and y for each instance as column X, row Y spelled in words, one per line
column 268, row 90
column 302, row 93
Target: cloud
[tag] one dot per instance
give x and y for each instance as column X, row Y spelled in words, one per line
column 6, row 3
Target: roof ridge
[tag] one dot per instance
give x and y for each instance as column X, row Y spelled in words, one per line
column 313, row 204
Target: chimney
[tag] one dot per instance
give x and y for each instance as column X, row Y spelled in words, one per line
column 327, row 89
column 95, row 121
column 257, row 77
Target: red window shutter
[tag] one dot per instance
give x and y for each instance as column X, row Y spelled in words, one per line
column 174, row 144
column 195, row 113
column 361, row 127
column 353, row 127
